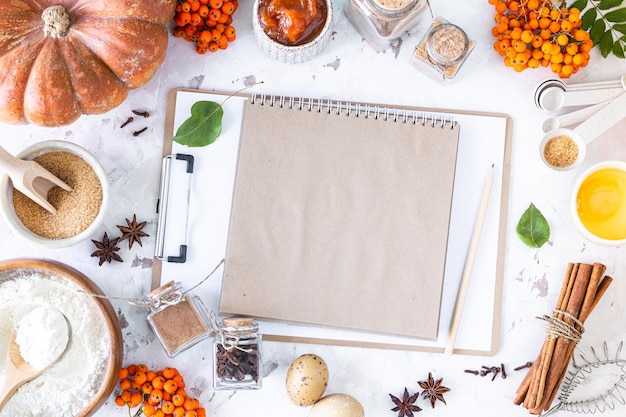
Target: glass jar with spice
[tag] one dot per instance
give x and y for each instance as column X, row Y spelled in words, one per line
column 382, row 21
column 178, row 319
column 442, row 51
column 237, row 354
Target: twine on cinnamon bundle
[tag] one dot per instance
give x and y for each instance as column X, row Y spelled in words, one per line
column 583, row 287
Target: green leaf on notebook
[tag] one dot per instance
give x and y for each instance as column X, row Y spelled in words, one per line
column 203, row 126
column 533, row 229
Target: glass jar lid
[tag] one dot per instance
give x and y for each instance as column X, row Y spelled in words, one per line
column 394, row 7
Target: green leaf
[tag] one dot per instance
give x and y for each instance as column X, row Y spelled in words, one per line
column 203, row 127
column 616, row 16
column 579, row 4
column 597, row 30
column 533, row 229
column 588, row 18
column 606, row 43
column 621, row 27
column 618, row 50
column 608, row 4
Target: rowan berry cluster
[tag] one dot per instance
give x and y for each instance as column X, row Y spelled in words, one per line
column 206, row 23
column 159, row 393
column 540, row 33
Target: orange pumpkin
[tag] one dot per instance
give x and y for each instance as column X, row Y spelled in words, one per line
column 63, row 58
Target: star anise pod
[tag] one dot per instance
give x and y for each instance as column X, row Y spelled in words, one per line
column 133, row 232
column 106, row 250
column 433, row 389
column 405, row 406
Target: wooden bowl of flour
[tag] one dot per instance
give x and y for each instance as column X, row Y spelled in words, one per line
column 91, row 363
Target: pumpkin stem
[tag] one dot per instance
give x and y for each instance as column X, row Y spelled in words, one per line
column 56, row 21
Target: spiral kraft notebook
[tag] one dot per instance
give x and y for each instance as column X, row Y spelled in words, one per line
column 340, row 216
column 341, row 223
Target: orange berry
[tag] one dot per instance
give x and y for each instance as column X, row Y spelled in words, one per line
column 581, row 35
column 132, row 369
column 555, row 14
column 194, row 5
column 562, row 39
column 159, row 413
column 140, row 378
column 135, row 399
column 158, row 382
column 537, row 41
column 566, row 25
column 125, row 384
column 167, row 407
column 200, row 412
column 196, row 19
column 179, row 412
column 228, row 8
column 119, row 401
column 191, row 404
column 126, row 396
column 222, row 42
column 501, row 7
column 156, row 396
column 216, row 4
column 214, row 14
column 147, row 388
column 185, row 7
column 182, row 18
column 224, row 18
column 148, row 410
column 170, row 385
column 178, row 32
column 230, row 32
column 123, row 373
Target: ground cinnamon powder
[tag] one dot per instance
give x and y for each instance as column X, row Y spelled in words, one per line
column 178, row 324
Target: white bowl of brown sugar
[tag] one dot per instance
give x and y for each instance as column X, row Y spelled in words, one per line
column 79, row 212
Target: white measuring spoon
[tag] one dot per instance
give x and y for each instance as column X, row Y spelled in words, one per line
column 573, row 117
column 554, row 98
column 587, row 131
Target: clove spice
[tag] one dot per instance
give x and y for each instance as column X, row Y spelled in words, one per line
column 141, row 113
column 140, row 131
column 129, row 120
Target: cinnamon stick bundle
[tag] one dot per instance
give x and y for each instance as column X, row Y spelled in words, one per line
column 583, row 287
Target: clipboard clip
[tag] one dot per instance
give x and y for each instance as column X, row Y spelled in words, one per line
column 164, row 208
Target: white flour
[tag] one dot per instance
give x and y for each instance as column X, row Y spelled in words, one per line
column 69, row 385
column 42, row 335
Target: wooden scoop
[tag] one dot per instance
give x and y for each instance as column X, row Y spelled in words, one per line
column 31, row 179
column 19, row 371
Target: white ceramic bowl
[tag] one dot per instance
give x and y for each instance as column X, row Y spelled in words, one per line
column 7, row 208
column 292, row 54
column 574, row 204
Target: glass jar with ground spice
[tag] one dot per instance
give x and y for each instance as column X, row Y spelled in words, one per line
column 178, row 319
column 380, row 22
column 237, row 354
column 442, row 51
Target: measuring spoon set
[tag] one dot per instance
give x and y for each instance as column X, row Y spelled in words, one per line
column 602, row 104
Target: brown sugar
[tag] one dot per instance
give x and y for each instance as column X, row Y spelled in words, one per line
column 561, row 151
column 76, row 209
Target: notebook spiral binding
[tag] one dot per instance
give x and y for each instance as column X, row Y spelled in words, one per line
column 357, row 110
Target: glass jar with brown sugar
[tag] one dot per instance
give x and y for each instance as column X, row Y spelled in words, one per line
column 380, row 22
column 178, row 319
column 442, row 51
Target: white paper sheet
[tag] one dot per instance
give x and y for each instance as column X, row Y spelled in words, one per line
column 482, row 143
